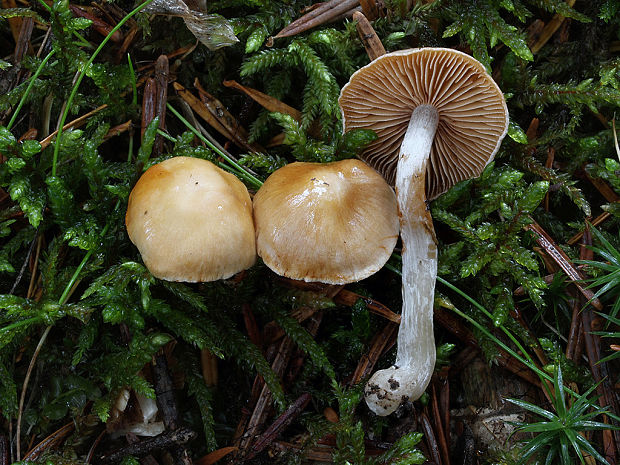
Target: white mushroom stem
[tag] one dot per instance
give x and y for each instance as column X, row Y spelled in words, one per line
column 408, row 378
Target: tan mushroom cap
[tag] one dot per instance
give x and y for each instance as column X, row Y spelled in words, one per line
column 330, row 222
column 473, row 118
column 191, row 221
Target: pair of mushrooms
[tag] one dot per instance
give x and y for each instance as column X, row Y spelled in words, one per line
column 440, row 119
column 194, row 222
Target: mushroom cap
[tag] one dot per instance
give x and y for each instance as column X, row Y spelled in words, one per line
column 330, row 222
column 191, row 221
column 473, row 118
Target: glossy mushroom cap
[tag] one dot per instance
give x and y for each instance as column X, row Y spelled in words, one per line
column 473, row 117
column 334, row 222
column 191, row 221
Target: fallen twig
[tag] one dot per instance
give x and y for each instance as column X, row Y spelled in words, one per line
column 370, row 9
column 381, row 342
column 263, row 404
column 23, row 44
column 251, row 325
column 238, row 133
column 297, row 361
column 430, row 437
column 604, row 188
column 324, row 13
column 178, row 52
column 279, row 425
column 93, row 447
column 164, row 440
column 558, row 255
column 97, row 24
column 210, row 115
column 76, row 123
column 320, row 452
column 272, row 331
column 117, row 130
column 129, row 39
column 444, row 401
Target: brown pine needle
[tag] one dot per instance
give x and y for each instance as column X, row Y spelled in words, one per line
column 370, row 39
column 321, row 15
column 266, row 101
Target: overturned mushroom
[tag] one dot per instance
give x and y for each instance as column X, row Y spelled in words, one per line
column 334, row 222
column 191, row 221
column 440, row 119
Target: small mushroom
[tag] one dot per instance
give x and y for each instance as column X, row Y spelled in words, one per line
column 191, row 221
column 440, row 119
column 330, row 222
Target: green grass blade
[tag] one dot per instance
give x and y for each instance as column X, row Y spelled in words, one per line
column 585, row 445
column 78, row 81
column 559, row 400
column 27, row 91
column 533, row 408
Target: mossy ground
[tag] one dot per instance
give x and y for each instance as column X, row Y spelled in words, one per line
column 82, row 319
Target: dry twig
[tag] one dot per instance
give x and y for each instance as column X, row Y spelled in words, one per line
column 558, row 255
column 324, row 13
column 281, row 423
column 164, row 440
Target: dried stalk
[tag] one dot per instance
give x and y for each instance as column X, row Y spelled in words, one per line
column 53, row 440
column 76, row 123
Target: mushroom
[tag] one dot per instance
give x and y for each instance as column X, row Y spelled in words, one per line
column 440, row 119
column 330, row 222
column 191, row 221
